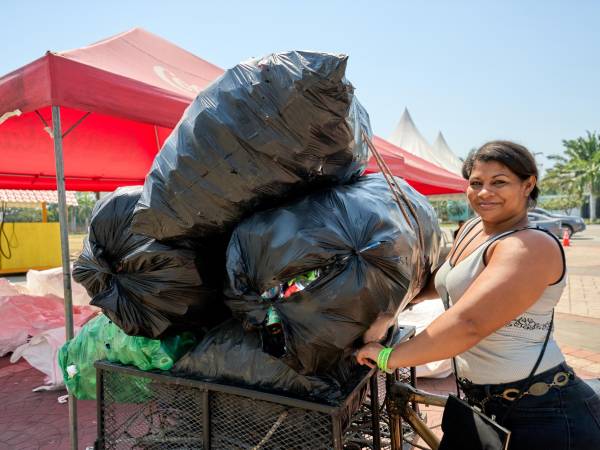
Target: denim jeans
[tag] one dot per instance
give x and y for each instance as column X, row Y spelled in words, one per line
column 566, row 418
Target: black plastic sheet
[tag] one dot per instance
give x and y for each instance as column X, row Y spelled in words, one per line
column 229, row 354
column 365, row 260
column 145, row 287
column 268, row 129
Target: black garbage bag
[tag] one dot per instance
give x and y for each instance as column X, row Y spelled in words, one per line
column 231, row 355
column 266, row 130
column 319, row 272
column 145, row 287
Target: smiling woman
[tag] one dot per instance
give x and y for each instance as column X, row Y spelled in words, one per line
column 502, row 180
column 500, row 284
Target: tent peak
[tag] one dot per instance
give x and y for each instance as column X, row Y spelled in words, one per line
column 440, row 139
column 406, row 118
column 407, row 130
column 445, row 154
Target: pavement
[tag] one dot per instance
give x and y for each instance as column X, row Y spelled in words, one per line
column 31, row 420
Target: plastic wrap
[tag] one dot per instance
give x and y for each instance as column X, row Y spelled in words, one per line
column 319, row 272
column 267, row 129
column 24, row 316
column 101, row 339
column 41, row 352
column 146, row 287
column 43, row 282
column 228, row 354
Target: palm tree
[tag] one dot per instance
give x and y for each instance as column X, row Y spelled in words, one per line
column 578, row 170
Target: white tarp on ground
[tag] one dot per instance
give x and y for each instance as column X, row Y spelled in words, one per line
column 44, row 282
column 32, row 321
column 8, row 288
column 444, row 153
column 25, row 316
column 41, row 352
column 420, row 316
column 407, row 136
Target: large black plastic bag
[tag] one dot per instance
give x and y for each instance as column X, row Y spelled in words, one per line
column 229, row 354
column 268, row 129
column 367, row 260
column 145, row 287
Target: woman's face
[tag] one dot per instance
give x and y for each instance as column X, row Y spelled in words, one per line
column 496, row 193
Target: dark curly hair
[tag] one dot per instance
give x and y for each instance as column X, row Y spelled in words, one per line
column 514, row 156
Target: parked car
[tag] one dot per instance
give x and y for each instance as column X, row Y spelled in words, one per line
column 550, row 224
column 572, row 224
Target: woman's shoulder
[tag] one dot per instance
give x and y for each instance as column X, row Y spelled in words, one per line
column 532, row 237
column 531, row 246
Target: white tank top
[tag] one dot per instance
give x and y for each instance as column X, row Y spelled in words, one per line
column 509, row 353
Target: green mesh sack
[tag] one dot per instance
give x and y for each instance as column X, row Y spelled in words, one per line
column 100, row 339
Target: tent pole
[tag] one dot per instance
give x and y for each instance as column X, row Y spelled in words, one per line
column 64, row 244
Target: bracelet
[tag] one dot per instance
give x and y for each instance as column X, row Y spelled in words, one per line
column 383, row 357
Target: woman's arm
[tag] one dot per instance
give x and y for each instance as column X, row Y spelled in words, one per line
column 520, row 267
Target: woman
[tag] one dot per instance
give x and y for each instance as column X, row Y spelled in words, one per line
column 502, row 281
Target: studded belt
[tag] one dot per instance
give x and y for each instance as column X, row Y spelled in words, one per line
column 481, row 394
column 537, row 389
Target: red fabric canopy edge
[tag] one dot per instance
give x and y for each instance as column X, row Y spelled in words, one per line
column 425, row 177
column 101, row 78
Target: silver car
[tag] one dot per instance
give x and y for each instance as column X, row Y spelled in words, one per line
column 550, row 224
column 571, row 224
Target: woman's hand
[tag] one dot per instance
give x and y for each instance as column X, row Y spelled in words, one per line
column 379, row 328
column 367, row 355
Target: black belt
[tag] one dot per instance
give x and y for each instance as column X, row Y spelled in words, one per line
column 480, row 394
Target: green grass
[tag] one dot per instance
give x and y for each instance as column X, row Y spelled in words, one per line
column 76, row 244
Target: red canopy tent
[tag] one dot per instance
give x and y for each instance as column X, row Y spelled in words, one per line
column 122, row 96
column 425, row 177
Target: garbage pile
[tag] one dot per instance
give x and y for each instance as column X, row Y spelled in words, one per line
column 256, row 208
column 317, row 273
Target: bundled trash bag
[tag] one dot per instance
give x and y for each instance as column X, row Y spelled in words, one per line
column 319, row 272
column 146, row 287
column 267, row 129
column 101, row 339
column 229, row 354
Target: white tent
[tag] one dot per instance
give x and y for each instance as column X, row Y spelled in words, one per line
column 407, row 136
column 443, row 152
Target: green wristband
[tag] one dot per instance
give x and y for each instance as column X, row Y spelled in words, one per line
column 382, row 359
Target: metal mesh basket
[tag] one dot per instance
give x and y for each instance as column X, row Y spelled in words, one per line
column 148, row 410
column 141, row 410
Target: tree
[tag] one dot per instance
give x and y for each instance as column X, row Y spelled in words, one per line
column 578, row 170
column 81, row 214
column 564, row 204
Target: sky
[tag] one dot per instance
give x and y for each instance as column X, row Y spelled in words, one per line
column 527, row 71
